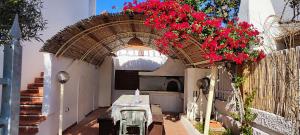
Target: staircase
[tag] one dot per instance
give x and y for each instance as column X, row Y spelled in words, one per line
column 31, row 107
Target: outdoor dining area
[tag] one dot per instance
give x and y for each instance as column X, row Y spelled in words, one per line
column 132, row 114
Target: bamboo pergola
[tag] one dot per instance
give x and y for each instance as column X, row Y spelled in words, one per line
column 289, row 35
column 92, row 39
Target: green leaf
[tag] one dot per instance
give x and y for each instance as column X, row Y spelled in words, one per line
column 30, row 18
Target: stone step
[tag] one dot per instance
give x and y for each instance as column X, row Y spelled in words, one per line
column 40, row 90
column 39, row 80
column 35, row 85
column 29, row 122
column 32, row 118
column 31, row 111
column 28, row 106
column 31, row 99
column 28, row 130
column 31, row 107
column 30, row 103
column 27, row 94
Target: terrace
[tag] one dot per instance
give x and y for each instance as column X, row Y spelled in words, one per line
column 144, row 71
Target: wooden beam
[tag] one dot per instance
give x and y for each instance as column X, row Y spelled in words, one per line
column 86, row 32
column 120, row 34
column 102, row 44
column 97, row 40
column 184, row 54
column 91, row 49
column 103, row 56
column 198, row 63
column 83, row 33
column 106, row 20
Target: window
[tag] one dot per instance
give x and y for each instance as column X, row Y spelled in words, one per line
column 126, row 80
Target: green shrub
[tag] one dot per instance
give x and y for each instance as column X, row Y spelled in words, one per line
column 249, row 116
column 228, row 132
column 200, row 127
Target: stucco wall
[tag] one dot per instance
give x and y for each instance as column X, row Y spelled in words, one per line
column 80, row 95
column 170, row 102
column 105, row 82
column 155, row 83
column 272, row 124
column 259, row 12
column 265, row 124
column 59, row 14
column 190, row 85
column 173, row 67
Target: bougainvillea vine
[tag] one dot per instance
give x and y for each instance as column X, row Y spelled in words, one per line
column 181, row 22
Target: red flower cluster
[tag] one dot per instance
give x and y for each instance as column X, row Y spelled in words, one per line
column 233, row 42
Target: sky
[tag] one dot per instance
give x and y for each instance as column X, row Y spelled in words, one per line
column 106, row 5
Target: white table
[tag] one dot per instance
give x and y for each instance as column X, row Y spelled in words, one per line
column 128, row 102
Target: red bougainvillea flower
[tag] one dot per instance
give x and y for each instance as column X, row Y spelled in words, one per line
column 180, row 22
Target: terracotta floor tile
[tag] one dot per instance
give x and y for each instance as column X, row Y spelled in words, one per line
column 173, row 125
column 89, row 125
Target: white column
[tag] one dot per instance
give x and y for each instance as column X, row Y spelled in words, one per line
column 214, row 70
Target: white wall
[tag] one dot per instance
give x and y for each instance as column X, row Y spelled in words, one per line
column 190, row 85
column 258, row 13
column 159, row 83
column 169, row 101
column 173, row 67
column 80, row 96
column 92, row 7
column 105, row 82
column 152, row 83
column 59, row 14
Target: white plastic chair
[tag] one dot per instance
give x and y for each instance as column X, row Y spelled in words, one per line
column 132, row 118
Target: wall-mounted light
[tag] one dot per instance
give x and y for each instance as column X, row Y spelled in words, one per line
column 63, row 77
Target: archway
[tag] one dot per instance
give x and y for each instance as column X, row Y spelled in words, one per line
column 92, row 40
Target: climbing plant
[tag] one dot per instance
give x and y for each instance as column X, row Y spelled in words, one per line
column 30, row 18
column 226, row 9
column 184, row 21
column 181, row 22
column 248, row 116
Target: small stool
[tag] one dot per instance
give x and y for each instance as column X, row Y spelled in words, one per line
column 106, row 126
column 157, row 126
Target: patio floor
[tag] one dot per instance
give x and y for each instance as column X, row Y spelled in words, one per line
column 89, row 125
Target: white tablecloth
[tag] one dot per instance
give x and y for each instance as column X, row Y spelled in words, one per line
column 129, row 102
